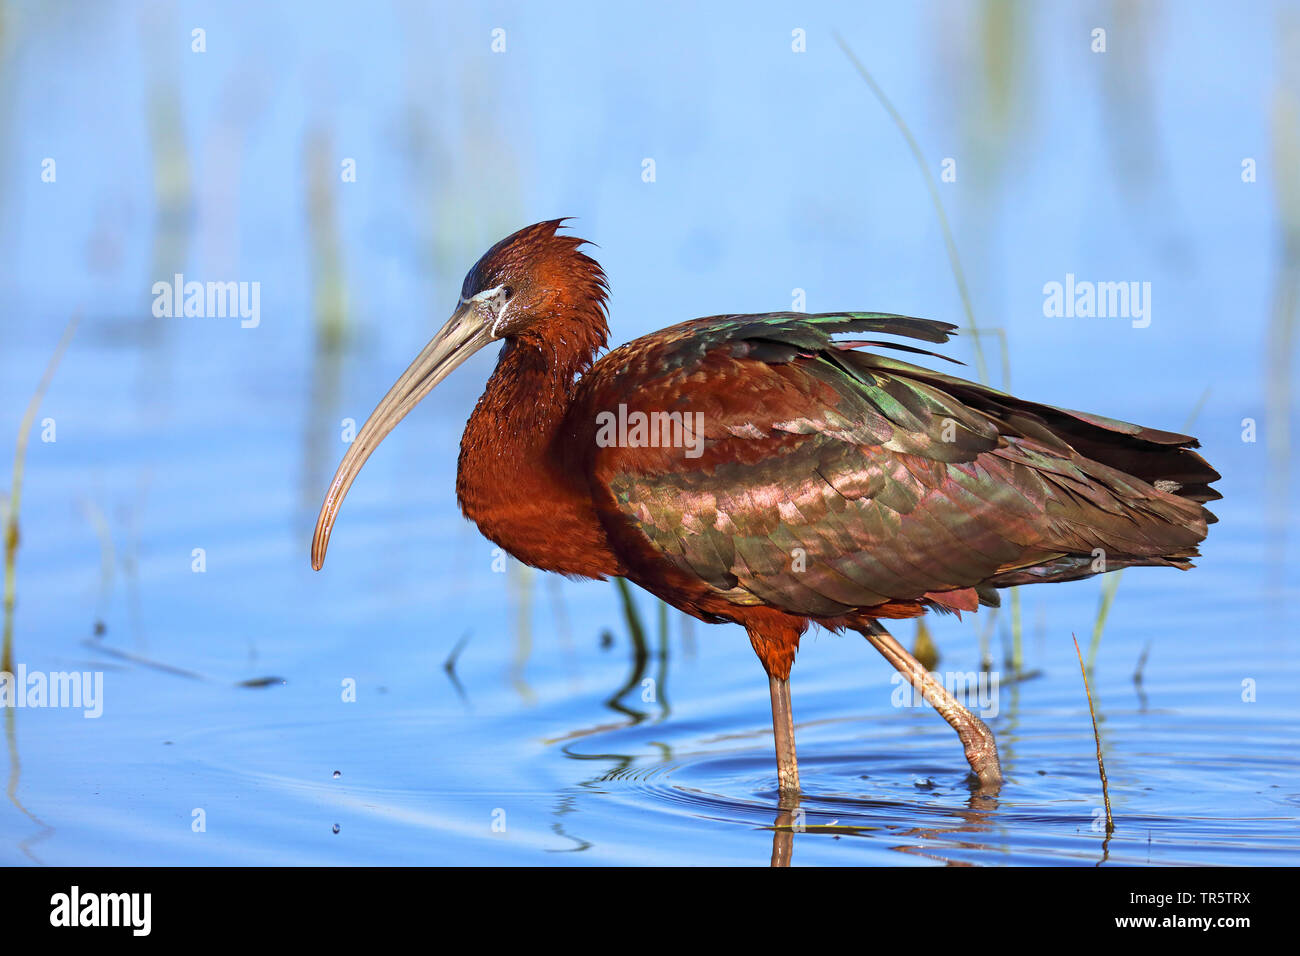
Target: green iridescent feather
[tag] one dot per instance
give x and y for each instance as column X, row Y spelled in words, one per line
column 833, row 479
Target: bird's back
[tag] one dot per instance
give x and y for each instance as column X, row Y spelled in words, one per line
column 823, row 479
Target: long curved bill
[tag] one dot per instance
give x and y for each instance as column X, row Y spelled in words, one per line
column 463, row 335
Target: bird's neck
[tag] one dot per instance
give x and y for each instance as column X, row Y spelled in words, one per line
column 511, row 480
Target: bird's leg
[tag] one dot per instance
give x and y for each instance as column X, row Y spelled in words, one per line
column 787, row 766
column 978, row 741
column 775, row 643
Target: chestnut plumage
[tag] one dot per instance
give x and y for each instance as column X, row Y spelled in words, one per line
column 755, row 469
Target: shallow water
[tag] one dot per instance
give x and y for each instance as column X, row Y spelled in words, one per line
column 544, row 743
column 528, row 734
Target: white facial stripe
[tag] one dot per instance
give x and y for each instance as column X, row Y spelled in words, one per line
column 485, row 294
column 500, row 321
column 488, row 295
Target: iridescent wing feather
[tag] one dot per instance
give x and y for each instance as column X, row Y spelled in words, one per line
column 821, row 479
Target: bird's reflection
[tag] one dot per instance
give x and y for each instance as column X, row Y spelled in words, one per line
column 791, row 818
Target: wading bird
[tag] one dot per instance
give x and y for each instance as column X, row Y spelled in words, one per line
column 765, row 473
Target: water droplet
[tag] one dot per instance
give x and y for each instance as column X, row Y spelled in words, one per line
column 336, row 828
column 337, row 773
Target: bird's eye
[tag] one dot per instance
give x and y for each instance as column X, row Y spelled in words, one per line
column 493, row 300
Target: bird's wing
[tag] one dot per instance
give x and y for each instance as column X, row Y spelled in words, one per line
column 787, row 469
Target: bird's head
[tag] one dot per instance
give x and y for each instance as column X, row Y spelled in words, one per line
column 534, row 281
column 535, row 289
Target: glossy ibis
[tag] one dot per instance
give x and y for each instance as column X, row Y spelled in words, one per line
column 752, row 468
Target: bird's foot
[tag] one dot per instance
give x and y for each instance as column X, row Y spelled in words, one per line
column 981, row 750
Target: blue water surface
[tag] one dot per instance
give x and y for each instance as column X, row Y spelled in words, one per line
column 422, row 701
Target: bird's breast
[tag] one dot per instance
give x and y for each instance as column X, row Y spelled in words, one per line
column 526, row 504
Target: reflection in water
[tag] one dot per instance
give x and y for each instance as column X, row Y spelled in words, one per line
column 521, row 580
column 12, row 512
column 44, row 830
column 449, row 668
column 1137, row 678
column 788, row 819
column 568, row 804
column 640, row 658
column 825, row 816
column 474, row 146
column 978, row 817
column 667, row 772
column 792, row 819
column 655, row 691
